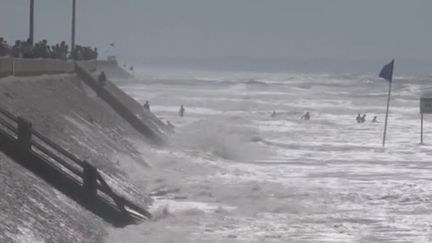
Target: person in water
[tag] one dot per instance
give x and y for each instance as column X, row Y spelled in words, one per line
column 273, row 114
column 306, row 116
column 181, row 111
column 358, row 118
column 147, row 106
column 363, row 118
column 375, row 119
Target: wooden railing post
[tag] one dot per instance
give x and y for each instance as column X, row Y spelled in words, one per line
column 90, row 179
column 24, row 135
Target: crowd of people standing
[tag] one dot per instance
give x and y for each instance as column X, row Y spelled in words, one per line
column 41, row 49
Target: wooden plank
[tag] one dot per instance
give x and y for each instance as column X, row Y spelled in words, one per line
column 58, row 148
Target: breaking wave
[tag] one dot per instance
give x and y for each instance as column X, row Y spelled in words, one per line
column 226, row 138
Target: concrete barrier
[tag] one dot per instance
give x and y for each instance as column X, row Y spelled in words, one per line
column 90, row 65
column 39, row 66
column 5, row 66
column 130, row 110
column 112, row 69
column 28, row 67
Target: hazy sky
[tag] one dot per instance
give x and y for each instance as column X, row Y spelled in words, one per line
column 309, row 29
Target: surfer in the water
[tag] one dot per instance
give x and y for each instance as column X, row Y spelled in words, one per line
column 306, row 116
column 181, row 111
column 274, row 114
column 363, row 118
column 358, row 118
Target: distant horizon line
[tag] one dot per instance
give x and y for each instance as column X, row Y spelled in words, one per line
column 403, row 66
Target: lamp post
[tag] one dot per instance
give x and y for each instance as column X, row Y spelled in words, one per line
column 73, row 29
column 31, row 27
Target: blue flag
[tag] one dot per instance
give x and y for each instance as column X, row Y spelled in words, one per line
column 387, row 71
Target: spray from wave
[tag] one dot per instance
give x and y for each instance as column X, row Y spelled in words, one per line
column 213, row 139
column 225, row 138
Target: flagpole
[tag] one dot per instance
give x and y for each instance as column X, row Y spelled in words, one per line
column 388, row 106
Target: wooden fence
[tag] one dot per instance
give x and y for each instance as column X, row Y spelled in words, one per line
column 77, row 179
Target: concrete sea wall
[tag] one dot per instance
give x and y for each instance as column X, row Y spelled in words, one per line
column 68, row 112
column 112, row 69
column 27, row 67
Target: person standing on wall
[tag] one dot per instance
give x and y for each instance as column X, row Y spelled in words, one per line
column 102, row 79
column 147, row 106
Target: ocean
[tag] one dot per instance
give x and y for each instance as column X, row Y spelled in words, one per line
column 233, row 173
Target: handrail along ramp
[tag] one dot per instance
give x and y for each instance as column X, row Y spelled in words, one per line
column 124, row 105
column 77, row 179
